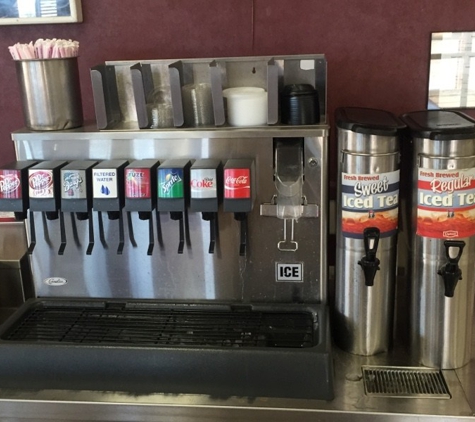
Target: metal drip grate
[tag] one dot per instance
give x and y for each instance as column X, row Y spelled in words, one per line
column 180, row 326
column 384, row 381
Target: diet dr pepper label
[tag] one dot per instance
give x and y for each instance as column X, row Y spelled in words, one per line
column 446, row 203
column 237, row 183
column 10, row 184
column 137, row 183
column 170, row 183
column 40, row 184
column 369, row 200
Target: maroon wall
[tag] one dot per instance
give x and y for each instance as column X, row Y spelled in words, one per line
column 377, row 50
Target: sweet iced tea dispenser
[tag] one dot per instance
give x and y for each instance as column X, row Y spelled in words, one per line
column 367, row 223
column 443, row 236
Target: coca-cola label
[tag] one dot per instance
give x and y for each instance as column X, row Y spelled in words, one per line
column 237, row 183
column 10, row 184
column 137, row 183
column 73, row 184
column 104, row 183
column 40, row 184
column 203, row 183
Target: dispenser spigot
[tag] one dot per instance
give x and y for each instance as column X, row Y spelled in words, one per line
column 451, row 272
column 369, row 263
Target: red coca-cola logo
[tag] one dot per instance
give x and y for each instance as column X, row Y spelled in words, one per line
column 237, row 183
column 40, row 180
column 9, row 185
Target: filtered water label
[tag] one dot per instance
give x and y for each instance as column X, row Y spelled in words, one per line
column 237, row 183
column 40, row 184
column 446, row 203
column 203, row 183
column 170, row 183
column 10, row 184
column 74, row 186
column 137, row 183
column 104, row 183
column 369, row 200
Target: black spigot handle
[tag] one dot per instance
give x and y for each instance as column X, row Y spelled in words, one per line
column 62, row 231
column 369, row 263
column 212, row 218
column 120, row 248
column 90, row 246
column 32, row 233
column 178, row 216
column 451, row 272
column 242, row 217
column 151, row 236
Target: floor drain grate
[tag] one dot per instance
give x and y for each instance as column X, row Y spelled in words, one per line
column 407, row 382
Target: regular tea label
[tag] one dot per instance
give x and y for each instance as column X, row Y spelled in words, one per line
column 73, row 184
column 369, row 200
column 40, row 184
column 170, row 183
column 10, row 184
column 104, row 183
column 237, row 183
column 203, row 183
column 137, row 183
column 446, row 203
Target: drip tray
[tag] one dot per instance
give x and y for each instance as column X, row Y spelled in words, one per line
column 155, row 347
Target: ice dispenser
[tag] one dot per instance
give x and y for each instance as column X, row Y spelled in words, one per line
column 367, row 223
column 442, row 236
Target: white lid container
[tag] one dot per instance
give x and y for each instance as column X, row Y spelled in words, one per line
column 246, row 106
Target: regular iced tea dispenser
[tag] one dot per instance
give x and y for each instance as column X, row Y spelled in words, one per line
column 367, row 224
column 442, row 236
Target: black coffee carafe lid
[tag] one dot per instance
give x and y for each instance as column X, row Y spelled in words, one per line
column 368, row 121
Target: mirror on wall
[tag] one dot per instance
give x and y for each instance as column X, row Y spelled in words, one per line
column 22, row 12
column 452, row 70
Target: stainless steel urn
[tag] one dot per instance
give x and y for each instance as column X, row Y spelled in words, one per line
column 367, row 224
column 442, row 236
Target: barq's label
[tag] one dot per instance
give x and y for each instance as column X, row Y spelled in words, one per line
column 73, row 184
column 369, row 200
column 446, row 203
column 10, row 184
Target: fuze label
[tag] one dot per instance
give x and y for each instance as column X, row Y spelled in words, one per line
column 10, row 184
column 203, row 183
column 369, row 200
column 73, row 184
column 446, row 203
column 104, row 183
column 237, row 183
column 40, row 184
column 137, row 183
column 170, row 183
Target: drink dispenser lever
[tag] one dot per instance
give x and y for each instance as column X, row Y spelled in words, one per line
column 44, row 190
column 369, row 262
column 140, row 188
column 451, row 272
column 173, row 193
column 76, row 197
column 205, row 188
column 239, row 194
column 108, row 193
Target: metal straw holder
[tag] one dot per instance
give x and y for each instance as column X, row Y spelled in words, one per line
column 51, row 94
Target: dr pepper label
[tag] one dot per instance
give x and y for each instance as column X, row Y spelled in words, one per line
column 369, row 200
column 446, row 203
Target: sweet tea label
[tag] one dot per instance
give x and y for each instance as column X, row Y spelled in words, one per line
column 10, row 184
column 446, row 203
column 369, row 200
column 137, row 183
column 73, row 183
column 40, row 184
column 203, row 183
column 104, row 183
column 170, row 183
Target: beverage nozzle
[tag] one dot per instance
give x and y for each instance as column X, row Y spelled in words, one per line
column 173, row 193
column 108, row 193
column 44, row 188
column 369, row 263
column 239, row 194
column 76, row 197
column 205, row 194
column 451, row 272
column 140, row 188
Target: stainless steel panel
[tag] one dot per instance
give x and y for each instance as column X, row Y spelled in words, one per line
column 196, row 274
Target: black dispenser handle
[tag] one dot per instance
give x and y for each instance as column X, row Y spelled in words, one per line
column 62, row 230
column 120, row 248
column 32, row 233
column 369, row 262
column 212, row 217
column 178, row 216
column 242, row 217
column 451, row 272
column 90, row 246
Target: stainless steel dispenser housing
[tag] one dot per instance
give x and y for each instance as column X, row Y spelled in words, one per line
column 443, row 236
column 367, row 222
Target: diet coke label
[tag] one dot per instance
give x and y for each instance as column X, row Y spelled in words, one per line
column 40, row 183
column 237, row 183
column 10, row 184
column 203, row 183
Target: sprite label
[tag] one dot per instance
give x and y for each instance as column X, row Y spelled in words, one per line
column 170, row 183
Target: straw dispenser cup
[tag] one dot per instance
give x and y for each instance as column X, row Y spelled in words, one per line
column 48, row 77
column 442, row 236
column 367, row 224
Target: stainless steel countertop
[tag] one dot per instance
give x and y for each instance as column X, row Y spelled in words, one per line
column 350, row 402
